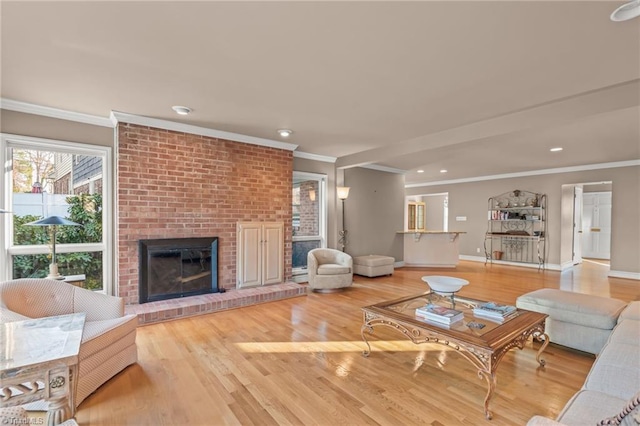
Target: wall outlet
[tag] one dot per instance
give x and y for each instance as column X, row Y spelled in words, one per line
column 461, row 218
column 478, row 250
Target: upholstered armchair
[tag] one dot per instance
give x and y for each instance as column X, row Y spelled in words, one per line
column 109, row 338
column 329, row 270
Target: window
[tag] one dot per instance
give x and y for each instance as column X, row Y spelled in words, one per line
column 309, row 217
column 52, row 178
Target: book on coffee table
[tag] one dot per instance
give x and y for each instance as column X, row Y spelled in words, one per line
column 493, row 310
column 439, row 313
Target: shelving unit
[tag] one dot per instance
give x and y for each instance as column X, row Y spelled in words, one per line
column 517, row 228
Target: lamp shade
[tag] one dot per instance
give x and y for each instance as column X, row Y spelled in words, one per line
column 52, row 220
column 343, row 192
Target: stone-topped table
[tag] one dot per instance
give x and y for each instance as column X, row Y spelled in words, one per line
column 39, row 360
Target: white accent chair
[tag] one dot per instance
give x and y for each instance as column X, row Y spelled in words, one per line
column 329, row 270
column 109, row 337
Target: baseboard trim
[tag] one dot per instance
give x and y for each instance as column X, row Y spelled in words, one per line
column 398, row 264
column 624, row 274
column 566, row 265
column 549, row 266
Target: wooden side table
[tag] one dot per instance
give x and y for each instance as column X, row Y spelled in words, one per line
column 39, row 360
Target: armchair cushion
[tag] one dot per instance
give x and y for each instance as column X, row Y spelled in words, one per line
column 333, row 269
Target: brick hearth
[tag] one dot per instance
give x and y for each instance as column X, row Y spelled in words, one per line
column 165, row 310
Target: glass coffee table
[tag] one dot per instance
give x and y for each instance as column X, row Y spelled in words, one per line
column 482, row 342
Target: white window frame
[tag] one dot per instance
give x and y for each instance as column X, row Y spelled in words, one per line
column 322, row 213
column 8, row 141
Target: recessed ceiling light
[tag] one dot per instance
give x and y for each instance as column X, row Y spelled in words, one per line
column 626, row 11
column 182, row 110
column 420, row 171
column 443, row 171
column 285, row 133
column 557, row 149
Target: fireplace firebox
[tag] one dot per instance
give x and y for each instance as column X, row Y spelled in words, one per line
column 177, row 267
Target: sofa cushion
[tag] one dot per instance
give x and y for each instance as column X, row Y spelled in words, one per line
column 628, row 416
column 626, row 332
column 587, row 407
column 333, row 269
column 576, row 308
column 99, row 334
column 616, row 372
column 632, row 311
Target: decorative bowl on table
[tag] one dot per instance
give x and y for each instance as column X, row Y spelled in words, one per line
column 444, row 286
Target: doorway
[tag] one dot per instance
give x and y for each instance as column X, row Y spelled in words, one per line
column 586, row 222
column 436, row 210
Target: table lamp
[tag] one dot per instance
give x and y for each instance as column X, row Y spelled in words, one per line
column 53, row 221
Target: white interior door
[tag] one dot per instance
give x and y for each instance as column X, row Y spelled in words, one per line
column 577, row 225
column 596, row 214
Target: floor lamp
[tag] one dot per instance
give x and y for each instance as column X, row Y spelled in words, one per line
column 343, row 193
column 53, row 221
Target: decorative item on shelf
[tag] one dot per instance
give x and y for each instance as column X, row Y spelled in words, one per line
column 517, row 219
column 54, row 222
column 343, row 194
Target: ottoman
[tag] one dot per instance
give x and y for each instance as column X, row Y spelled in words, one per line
column 579, row 321
column 373, row 265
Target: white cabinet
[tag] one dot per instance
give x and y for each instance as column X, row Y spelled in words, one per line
column 260, row 253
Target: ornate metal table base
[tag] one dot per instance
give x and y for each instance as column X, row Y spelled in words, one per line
column 485, row 360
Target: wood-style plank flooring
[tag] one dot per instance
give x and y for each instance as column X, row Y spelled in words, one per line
column 299, row 362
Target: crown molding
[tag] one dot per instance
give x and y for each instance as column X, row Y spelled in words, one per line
column 612, row 165
column 122, row 117
column 315, row 157
column 383, row 168
column 11, row 105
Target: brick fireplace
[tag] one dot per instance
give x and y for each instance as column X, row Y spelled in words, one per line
column 180, row 185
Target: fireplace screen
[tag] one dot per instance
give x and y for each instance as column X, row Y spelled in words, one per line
column 177, row 267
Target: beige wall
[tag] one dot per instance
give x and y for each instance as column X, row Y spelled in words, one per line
column 37, row 126
column 470, row 199
column 434, row 212
column 374, row 212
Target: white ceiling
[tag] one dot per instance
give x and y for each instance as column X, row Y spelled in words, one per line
column 477, row 88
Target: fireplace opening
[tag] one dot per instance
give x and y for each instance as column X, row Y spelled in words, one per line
column 177, row 267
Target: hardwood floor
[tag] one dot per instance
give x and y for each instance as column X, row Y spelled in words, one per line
column 298, row 361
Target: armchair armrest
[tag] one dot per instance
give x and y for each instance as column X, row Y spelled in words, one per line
column 344, row 259
column 97, row 306
column 312, row 266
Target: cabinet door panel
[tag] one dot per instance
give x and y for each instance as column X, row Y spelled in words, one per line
column 249, row 256
column 273, row 253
